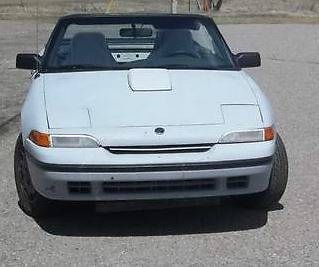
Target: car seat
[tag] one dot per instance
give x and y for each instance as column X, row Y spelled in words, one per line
column 90, row 48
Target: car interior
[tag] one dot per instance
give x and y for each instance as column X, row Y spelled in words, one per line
column 137, row 46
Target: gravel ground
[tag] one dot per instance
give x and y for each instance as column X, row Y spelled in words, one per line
column 287, row 234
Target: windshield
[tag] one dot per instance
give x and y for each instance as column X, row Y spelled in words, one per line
column 91, row 43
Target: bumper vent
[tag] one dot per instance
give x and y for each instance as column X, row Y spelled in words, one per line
column 159, row 149
column 159, row 186
column 79, row 187
column 237, row 182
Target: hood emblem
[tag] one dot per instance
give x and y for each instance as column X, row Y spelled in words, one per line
column 159, row 131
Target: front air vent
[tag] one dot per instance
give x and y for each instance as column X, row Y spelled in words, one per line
column 159, row 149
column 237, row 182
column 79, row 187
column 159, row 186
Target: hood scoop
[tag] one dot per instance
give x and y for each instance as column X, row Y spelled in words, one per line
column 149, row 80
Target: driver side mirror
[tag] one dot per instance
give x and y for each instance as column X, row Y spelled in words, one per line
column 28, row 61
column 248, row 60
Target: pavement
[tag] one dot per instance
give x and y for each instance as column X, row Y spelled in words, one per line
column 288, row 234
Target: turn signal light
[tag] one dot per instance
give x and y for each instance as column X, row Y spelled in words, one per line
column 269, row 134
column 40, row 139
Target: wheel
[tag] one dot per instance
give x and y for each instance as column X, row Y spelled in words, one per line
column 277, row 184
column 30, row 201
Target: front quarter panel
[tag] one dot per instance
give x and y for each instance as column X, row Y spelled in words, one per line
column 265, row 107
column 33, row 113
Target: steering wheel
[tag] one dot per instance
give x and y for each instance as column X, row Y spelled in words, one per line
column 187, row 53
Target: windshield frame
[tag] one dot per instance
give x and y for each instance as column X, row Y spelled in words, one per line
column 83, row 19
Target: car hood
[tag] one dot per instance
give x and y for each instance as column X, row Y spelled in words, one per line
column 142, row 98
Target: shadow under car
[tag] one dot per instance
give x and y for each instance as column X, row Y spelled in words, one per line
column 165, row 219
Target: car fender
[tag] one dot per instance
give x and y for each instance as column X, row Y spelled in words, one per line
column 266, row 110
column 33, row 113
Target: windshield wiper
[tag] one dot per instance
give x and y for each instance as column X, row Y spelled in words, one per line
column 185, row 66
column 83, row 67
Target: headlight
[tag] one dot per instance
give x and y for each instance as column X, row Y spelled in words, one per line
column 259, row 135
column 63, row 141
column 76, row 141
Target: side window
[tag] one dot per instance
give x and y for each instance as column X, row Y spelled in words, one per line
column 203, row 39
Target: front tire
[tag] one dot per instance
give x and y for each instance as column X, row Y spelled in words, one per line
column 30, row 201
column 277, row 184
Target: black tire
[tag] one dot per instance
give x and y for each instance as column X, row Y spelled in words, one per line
column 277, row 184
column 30, row 201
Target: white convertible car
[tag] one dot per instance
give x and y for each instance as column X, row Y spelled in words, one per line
column 144, row 107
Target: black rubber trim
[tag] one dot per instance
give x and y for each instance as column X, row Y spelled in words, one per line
column 151, row 167
column 168, row 149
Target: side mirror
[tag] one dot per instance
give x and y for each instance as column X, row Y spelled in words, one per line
column 248, row 60
column 28, row 61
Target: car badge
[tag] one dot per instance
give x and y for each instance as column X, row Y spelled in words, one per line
column 159, row 131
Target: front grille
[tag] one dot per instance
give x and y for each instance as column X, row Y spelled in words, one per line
column 159, row 149
column 188, row 185
column 159, row 186
column 79, row 187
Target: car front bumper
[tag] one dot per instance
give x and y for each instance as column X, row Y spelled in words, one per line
column 96, row 175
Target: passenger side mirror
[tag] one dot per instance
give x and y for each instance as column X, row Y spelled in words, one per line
column 248, row 60
column 28, row 61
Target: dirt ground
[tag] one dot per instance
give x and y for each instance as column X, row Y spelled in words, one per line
column 271, row 10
